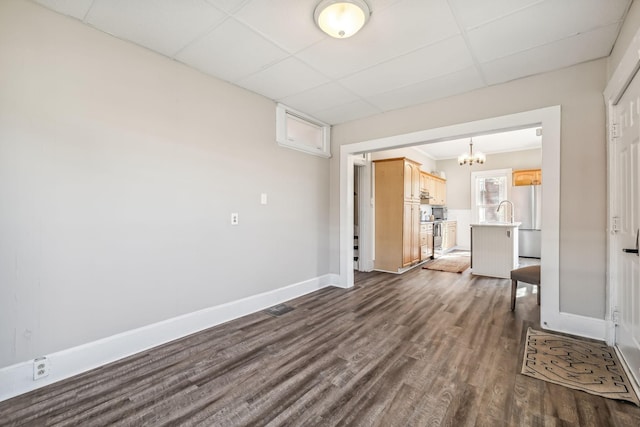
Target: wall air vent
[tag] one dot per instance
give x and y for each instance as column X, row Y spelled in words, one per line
column 301, row 132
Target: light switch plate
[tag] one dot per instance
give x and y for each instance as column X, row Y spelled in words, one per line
column 263, row 199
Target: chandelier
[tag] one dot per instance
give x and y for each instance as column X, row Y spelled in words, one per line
column 470, row 158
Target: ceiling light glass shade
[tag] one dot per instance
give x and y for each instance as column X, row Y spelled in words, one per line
column 470, row 158
column 341, row 18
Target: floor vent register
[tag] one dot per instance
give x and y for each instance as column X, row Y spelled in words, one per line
column 279, row 310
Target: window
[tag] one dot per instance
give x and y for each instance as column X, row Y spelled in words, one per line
column 301, row 132
column 488, row 189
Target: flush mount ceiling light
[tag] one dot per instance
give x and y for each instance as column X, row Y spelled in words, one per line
column 470, row 158
column 341, row 18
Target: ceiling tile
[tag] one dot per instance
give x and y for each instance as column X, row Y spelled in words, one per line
column 283, row 79
column 228, row 6
column 472, row 13
column 231, row 51
column 161, row 25
column 344, row 113
column 319, row 98
column 377, row 5
column 76, row 8
column 440, row 87
column 540, row 24
column 574, row 50
column 394, row 31
column 290, row 34
column 436, row 60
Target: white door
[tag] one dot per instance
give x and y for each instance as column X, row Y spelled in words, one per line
column 625, row 210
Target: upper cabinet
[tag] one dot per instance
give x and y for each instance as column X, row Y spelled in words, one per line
column 527, row 177
column 435, row 187
column 424, row 182
column 411, row 181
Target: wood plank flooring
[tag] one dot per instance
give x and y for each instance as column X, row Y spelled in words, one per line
column 424, row 348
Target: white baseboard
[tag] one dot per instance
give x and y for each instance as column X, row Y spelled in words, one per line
column 583, row 326
column 18, row 379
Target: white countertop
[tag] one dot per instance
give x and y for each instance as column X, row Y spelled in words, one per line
column 497, row 224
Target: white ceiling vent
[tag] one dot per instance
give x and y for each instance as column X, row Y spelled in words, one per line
column 301, row 132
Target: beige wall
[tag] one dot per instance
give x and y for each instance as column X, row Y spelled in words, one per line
column 119, row 169
column 459, row 177
column 578, row 90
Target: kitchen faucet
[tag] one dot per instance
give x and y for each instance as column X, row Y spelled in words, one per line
column 500, row 205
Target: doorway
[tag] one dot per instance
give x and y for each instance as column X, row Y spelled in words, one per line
column 549, row 119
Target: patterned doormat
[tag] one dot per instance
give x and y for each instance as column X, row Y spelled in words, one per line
column 577, row 364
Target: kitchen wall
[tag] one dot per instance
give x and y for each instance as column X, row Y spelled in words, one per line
column 427, row 164
column 119, row 169
column 459, row 177
column 578, row 90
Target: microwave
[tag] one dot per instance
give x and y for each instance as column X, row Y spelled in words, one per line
column 439, row 212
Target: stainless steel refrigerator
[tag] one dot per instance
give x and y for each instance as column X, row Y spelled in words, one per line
column 527, row 202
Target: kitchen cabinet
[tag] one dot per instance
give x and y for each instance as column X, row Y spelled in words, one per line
column 426, row 241
column 397, row 214
column 449, row 230
column 494, row 249
column 435, row 187
column 440, row 192
column 527, row 177
column 410, row 234
column 424, row 182
column 411, row 181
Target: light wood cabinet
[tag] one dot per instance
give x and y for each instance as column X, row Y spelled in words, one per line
column 411, row 181
column 435, row 187
column 449, row 230
column 424, row 178
column 397, row 214
column 440, row 192
column 527, row 177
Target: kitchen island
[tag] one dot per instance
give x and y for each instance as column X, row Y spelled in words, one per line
column 494, row 248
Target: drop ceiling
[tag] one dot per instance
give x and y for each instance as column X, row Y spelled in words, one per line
column 410, row 51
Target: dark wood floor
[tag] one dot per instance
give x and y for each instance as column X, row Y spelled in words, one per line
column 424, row 348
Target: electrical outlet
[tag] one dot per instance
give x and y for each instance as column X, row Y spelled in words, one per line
column 234, row 219
column 40, row 368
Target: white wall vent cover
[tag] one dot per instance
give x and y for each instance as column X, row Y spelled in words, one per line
column 301, row 132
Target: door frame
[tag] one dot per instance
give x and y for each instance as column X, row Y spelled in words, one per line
column 549, row 118
column 363, row 167
column 618, row 83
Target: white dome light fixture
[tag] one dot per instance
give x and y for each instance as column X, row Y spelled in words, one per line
column 341, row 18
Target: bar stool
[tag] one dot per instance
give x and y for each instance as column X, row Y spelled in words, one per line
column 529, row 274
